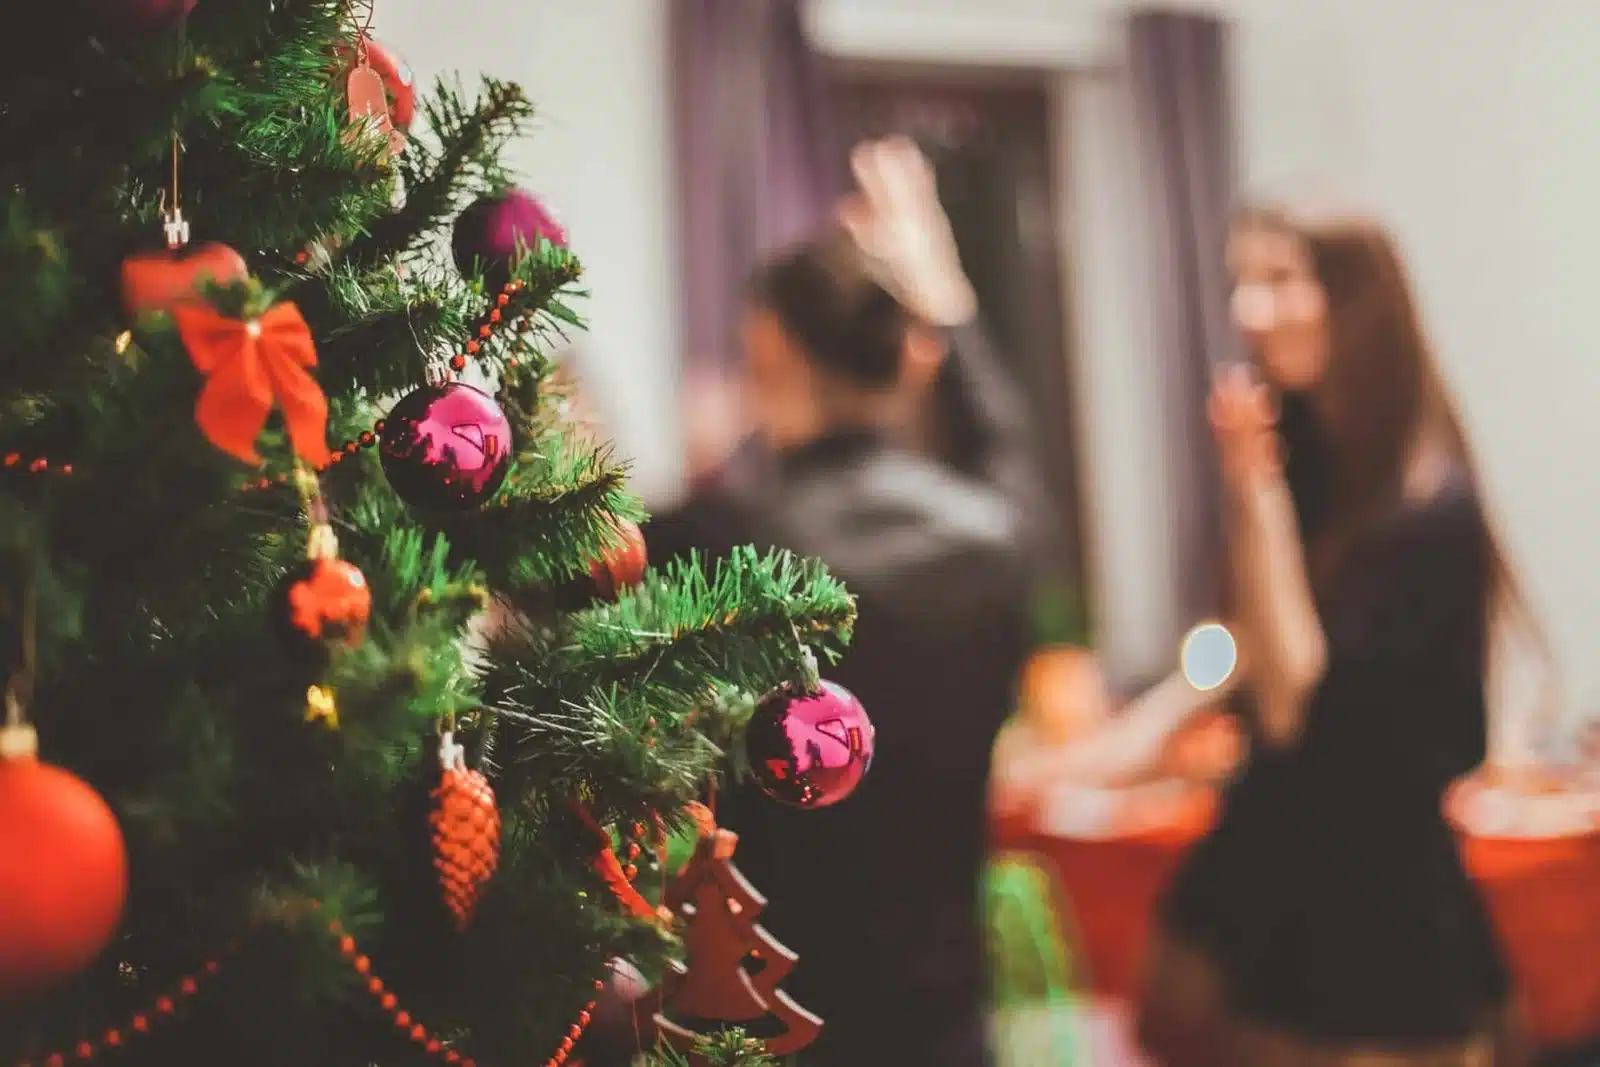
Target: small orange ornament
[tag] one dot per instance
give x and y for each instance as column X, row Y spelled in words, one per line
column 466, row 831
column 622, row 564
column 160, row 281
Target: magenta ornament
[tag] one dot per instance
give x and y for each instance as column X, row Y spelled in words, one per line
column 490, row 234
column 446, row 447
column 809, row 750
column 622, row 1024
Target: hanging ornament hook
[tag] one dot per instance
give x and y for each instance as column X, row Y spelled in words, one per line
column 18, row 740
column 173, row 223
column 321, row 542
column 436, row 370
column 452, row 757
column 14, row 713
column 364, row 34
column 810, row 672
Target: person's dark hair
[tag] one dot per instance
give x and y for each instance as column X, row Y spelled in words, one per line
column 827, row 298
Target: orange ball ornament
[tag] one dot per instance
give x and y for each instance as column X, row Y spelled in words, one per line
column 622, row 565
column 63, row 869
column 466, row 832
column 162, row 280
column 321, row 603
column 329, row 600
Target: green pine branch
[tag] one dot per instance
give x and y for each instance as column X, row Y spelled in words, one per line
column 737, row 621
column 377, row 330
column 554, row 516
column 82, row 144
column 37, row 285
column 456, row 159
column 726, row 1048
column 620, row 702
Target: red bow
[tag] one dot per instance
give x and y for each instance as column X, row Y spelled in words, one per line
column 249, row 365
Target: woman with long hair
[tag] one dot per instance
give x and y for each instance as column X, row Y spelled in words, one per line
column 1328, row 919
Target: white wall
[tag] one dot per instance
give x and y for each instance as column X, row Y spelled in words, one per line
column 596, row 70
column 1469, row 125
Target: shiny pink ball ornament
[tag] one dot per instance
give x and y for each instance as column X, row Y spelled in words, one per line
column 809, row 750
column 446, row 447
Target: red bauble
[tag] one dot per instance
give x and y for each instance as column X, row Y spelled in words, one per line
column 63, row 870
column 160, row 281
column 621, row 566
column 810, row 750
column 466, row 833
column 323, row 601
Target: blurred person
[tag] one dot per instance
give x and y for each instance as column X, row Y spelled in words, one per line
column 845, row 336
column 1328, row 918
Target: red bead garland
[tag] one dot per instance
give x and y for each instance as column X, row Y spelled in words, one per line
column 458, row 362
column 402, row 1019
column 418, row 1033
column 139, row 1023
column 191, row 984
column 36, row 465
column 165, row 1006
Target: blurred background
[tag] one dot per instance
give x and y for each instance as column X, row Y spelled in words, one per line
column 1088, row 152
column 1468, row 127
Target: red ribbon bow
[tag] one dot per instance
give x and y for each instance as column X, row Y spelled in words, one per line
column 249, row 366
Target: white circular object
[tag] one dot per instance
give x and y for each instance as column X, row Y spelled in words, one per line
column 1208, row 656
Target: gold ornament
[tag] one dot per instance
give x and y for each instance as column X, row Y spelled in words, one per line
column 320, row 706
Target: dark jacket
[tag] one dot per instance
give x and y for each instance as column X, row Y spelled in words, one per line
column 879, row 895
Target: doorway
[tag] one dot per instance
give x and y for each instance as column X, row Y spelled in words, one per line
column 991, row 137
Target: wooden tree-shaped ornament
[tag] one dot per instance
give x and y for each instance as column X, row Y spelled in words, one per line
column 720, row 909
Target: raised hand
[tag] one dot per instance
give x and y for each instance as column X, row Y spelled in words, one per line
column 1243, row 423
column 895, row 217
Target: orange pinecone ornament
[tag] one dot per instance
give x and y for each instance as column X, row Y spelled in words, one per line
column 466, row 832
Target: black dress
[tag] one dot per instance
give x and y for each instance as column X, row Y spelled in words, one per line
column 1331, row 894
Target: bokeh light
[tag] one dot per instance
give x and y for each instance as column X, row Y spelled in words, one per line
column 1208, row 657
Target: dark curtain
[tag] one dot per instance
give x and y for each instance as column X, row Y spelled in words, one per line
column 758, row 165
column 1179, row 69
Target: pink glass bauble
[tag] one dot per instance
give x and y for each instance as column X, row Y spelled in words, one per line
column 446, row 447
column 622, row 1022
column 809, row 750
column 490, row 234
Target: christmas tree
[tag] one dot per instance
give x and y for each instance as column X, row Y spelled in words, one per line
column 274, row 432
